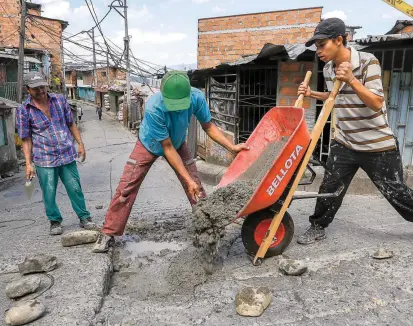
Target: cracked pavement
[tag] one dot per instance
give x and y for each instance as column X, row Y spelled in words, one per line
column 343, row 286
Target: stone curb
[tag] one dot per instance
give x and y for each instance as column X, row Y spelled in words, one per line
column 210, row 173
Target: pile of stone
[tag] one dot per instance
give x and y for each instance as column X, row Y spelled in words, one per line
column 27, row 311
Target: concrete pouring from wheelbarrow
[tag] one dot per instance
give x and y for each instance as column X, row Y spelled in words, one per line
column 360, row 185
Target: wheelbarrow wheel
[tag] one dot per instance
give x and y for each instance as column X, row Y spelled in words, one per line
column 255, row 228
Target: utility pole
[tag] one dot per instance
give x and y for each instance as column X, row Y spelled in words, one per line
column 128, row 93
column 107, row 68
column 63, row 68
column 94, row 58
column 20, row 66
column 124, row 15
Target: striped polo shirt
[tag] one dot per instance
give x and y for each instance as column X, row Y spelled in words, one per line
column 357, row 126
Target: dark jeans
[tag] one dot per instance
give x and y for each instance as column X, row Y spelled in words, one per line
column 383, row 168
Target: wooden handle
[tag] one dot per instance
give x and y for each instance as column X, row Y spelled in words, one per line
column 315, row 136
column 299, row 102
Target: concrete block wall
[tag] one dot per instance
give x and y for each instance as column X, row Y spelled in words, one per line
column 216, row 154
column 226, row 39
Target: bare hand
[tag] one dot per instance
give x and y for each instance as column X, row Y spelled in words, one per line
column 81, row 152
column 344, row 72
column 30, row 172
column 302, row 89
column 193, row 190
column 240, row 147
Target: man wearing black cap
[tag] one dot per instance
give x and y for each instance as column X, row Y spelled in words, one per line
column 363, row 138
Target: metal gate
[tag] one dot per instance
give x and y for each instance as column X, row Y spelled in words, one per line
column 221, row 94
column 257, row 95
column 401, row 113
column 397, row 66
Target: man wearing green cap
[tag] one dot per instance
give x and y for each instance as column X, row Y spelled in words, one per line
column 163, row 133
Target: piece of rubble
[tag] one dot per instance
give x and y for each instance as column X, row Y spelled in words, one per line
column 383, row 254
column 38, row 264
column 26, row 285
column 99, row 206
column 8, row 175
column 251, row 302
column 79, row 238
column 293, row 267
column 25, row 313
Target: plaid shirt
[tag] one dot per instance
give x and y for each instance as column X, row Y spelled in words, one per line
column 52, row 140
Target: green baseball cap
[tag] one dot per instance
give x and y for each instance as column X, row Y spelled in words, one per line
column 176, row 91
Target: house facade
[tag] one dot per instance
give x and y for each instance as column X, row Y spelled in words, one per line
column 43, row 35
column 248, row 64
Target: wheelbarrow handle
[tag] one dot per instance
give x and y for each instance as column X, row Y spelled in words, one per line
column 299, row 102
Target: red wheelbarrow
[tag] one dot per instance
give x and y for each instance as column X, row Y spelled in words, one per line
column 268, row 228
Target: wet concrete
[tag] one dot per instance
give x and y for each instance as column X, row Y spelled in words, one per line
column 213, row 214
column 343, row 285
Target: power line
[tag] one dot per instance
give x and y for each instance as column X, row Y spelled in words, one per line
column 51, row 36
column 10, row 35
column 99, row 28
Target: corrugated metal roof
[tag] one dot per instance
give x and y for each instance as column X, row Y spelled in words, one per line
column 292, row 51
column 384, row 38
column 6, row 104
column 16, row 57
column 399, row 25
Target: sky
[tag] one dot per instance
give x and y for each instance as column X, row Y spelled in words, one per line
column 165, row 31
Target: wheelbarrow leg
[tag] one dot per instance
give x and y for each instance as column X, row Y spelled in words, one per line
column 315, row 135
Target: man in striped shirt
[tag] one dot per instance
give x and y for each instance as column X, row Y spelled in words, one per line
column 363, row 138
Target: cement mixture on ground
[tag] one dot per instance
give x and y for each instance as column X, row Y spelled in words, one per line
column 213, row 214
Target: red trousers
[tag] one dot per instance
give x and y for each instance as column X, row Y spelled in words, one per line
column 136, row 168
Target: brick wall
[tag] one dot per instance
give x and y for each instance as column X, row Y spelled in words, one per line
column 226, row 39
column 114, row 73
column 50, row 40
column 87, row 77
column 291, row 75
column 407, row 29
column 70, row 77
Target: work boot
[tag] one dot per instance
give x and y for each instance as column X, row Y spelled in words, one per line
column 103, row 243
column 88, row 224
column 313, row 234
column 55, row 228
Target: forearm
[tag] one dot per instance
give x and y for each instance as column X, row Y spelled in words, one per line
column 76, row 133
column 370, row 99
column 176, row 162
column 218, row 136
column 27, row 150
column 322, row 96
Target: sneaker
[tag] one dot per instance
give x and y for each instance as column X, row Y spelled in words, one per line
column 55, row 228
column 103, row 243
column 313, row 234
column 88, row 224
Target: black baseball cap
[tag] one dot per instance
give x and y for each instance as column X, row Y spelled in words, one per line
column 327, row 29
